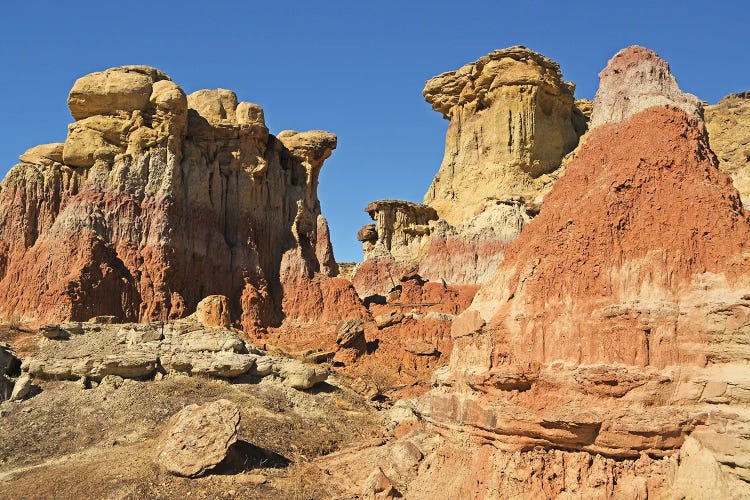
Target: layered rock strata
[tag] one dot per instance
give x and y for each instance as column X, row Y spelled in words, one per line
column 512, row 122
column 95, row 353
column 156, row 200
column 616, row 323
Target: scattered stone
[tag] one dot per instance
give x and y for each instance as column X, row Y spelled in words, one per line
column 422, row 348
column 298, row 375
column 318, row 356
column 21, row 388
column 351, row 334
column 111, row 382
column 198, row 438
column 389, row 319
column 264, row 366
column 378, row 485
column 256, row 479
column 364, row 387
column 104, row 320
column 405, row 455
column 52, row 332
column 439, row 316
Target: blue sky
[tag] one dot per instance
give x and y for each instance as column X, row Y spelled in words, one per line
column 354, row 68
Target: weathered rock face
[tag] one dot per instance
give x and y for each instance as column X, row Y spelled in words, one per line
column 616, row 323
column 728, row 124
column 158, row 199
column 636, row 79
column 512, row 120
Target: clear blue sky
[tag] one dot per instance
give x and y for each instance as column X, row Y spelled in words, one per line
column 352, row 67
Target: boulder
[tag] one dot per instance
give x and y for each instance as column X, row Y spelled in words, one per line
column 9, row 365
column 388, row 319
column 198, row 438
column 213, row 311
column 378, row 485
column 301, row 376
column 351, row 334
column 21, row 388
column 124, row 89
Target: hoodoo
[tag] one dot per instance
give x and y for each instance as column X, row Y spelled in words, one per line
column 513, row 120
column 156, row 200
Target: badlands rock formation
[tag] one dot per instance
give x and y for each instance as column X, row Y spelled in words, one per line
column 512, row 121
column 592, row 347
column 617, row 322
column 156, row 200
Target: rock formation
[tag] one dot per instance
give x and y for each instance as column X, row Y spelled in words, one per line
column 595, row 346
column 634, row 80
column 728, row 124
column 616, row 323
column 156, row 200
column 512, row 122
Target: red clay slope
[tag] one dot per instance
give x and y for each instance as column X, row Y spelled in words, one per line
column 639, row 217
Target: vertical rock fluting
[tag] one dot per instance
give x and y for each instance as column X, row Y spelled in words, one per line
column 158, row 199
column 617, row 322
column 512, row 121
column 728, row 124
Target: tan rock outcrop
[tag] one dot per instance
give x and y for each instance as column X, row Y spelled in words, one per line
column 125, row 89
column 636, row 79
column 728, row 124
column 44, row 153
column 512, row 118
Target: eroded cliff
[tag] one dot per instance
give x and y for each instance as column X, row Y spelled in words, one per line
column 157, row 199
column 616, row 322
